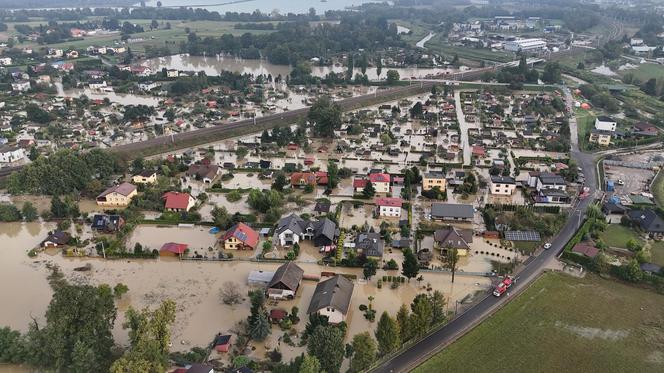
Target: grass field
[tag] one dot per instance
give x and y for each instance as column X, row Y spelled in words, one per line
column 616, row 235
column 657, row 252
column 564, row 324
column 658, row 189
column 645, row 71
column 468, row 54
column 585, row 122
column 526, row 246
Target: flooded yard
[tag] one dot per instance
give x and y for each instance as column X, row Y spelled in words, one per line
column 154, row 236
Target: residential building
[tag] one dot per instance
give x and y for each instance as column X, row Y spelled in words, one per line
column 453, row 238
column 172, row 73
column 552, row 195
column 178, row 201
column 222, row 342
column 11, row 154
column 380, row 182
column 302, row 179
column 145, row 177
column 388, row 206
column 5, row 61
column 107, row 223
column 117, row 195
column 448, row 211
column 605, row 123
column 502, row 185
column 645, row 129
column 292, row 229
column 200, row 368
column 240, row 237
column 648, row 221
column 332, row 299
column 149, row 85
column 370, row 244
column 431, row 180
column 56, row 239
column 548, row 180
column 203, row 172
column 285, row 282
column 21, row 86
column 600, row 137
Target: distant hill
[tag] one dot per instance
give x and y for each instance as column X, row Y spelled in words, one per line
column 28, row 4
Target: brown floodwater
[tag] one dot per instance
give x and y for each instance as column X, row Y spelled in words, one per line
column 195, row 286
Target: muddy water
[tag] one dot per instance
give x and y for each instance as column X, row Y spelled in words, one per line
column 215, row 65
column 153, row 237
column 120, row 98
column 25, row 290
column 13, row 369
column 195, row 286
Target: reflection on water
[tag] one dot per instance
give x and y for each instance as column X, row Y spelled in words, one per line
column 265, row 6
column 120, row 98
column 216, row 64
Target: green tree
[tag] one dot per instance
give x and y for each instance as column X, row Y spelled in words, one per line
column 451, row 260
column 79, row 322
column 379, row 65
column 369, row 190
column 421, row 317
column 438, row 307
column 13, row 349
column 309, row 365
column 325, row 116
column 551, row 73
column 260, row 328
column 392, row 77
column 404, row 324
column 410, row 267
column 280, row 182
column 326, row 343
column 29, row 211
column 370, row 268
column 332, row 175
column 387, row 334
column 221, row 217
column 364, row 352
column 149, row 338
column 600, row 264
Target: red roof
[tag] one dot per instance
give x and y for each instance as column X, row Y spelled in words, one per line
column 242, row 233
column 309, row 160
column 478, row 150
column 585, row 249
column 359, row 183
column 175, row 248
column 322, row 178
column 278, row 314
column 302, row 178
column 176, row 200
column 388, row 201
column 379, row 178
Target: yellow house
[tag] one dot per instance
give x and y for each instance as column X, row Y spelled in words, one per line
column 600, row 137
column 117, row 196
column 145, row 177
column 434, row 179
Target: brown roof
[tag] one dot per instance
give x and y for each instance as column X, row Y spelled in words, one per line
column 585, row 248
column 453, row 237
column 289, row 275
column 125, row 189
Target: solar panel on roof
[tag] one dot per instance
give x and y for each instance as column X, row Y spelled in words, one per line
column 241, row 235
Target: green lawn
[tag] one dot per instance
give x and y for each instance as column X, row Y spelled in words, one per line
column 645, row 71
column 527, row 247
column 564, row 324
column 657, row 252
column 585, row 122
column 617, row 235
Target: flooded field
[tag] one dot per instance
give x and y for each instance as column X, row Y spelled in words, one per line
column 194, row 285
column 154, row 236
column 215, row 65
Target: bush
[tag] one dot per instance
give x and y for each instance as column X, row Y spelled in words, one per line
column 363, row 307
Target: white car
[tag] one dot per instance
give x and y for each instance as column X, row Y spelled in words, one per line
column 621, row 182
column 547, row 246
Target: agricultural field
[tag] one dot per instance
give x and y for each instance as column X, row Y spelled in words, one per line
column 645, row 71
column 657, row 252
column 564, row 324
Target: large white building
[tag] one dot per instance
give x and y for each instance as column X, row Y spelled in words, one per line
column 525, row 45
column 604, row 123
column 10, row 154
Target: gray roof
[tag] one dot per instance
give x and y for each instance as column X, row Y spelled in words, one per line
column 289, row 274
column 648, row 220
column 449, row 210
column 291, row 222
column 453, row 237
column 334, row 292
column 434, row 175
column 548, row 178
column 371, row 244
column 325, row 227
column 502, row 180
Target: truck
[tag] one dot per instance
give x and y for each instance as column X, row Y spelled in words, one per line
column 502, row 286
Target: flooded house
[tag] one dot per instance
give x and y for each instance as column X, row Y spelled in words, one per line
column 332, row 298
column 173, row 249
column 203, row 172
column 145, row 177
column 285, row 282
column 117, row 195
column 292, row 229
column 240, row 237
column 453, row 238
column 107, row 223
column 56, row 239
column 178, row 201
column 370, row 244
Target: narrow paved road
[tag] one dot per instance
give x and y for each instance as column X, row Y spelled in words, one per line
column 463, row 128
